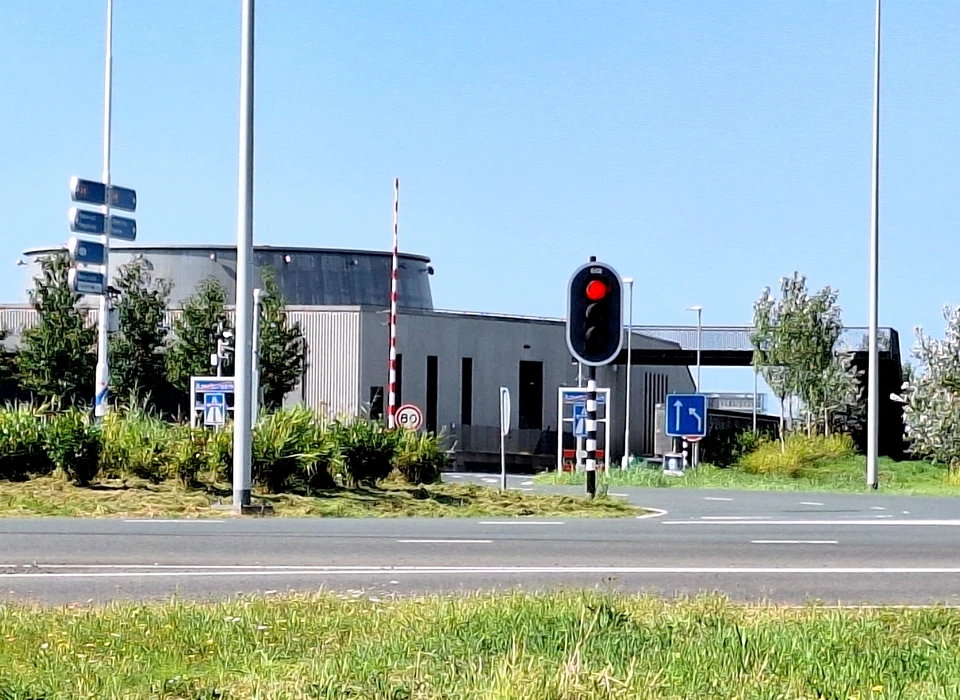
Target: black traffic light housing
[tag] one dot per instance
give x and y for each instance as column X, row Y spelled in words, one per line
column 595, row 314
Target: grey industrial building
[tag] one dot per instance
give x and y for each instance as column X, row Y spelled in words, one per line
column 451, row 364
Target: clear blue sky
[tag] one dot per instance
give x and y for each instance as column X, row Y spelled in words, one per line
column 705, row 148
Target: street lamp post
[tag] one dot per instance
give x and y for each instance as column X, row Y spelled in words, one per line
column 699, row 310
column 873, row 374
column 626, row 418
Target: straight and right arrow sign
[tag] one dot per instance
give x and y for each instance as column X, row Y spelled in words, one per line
column 686, row 415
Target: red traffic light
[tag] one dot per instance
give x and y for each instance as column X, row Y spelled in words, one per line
column 596, row 290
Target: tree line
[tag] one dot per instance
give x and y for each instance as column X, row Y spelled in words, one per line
column 150, row 362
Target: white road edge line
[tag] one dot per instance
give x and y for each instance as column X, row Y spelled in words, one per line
column 173, row 520
column 623, row 495
column 445, row 541
column 654, row 513
column 735, row 517
column 872, row 522
column 716, row 498
column 481, row 570
column 810, row 503
column 794, row 542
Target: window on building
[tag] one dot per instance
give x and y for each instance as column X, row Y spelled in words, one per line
column 466, row 390
column 530, row 399
column 431, row 417
column 399, row 387
column 376, row 402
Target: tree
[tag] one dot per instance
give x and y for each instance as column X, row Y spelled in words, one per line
column 795, row 339
column 282, row 346
column 195, row 335
column 56, row 358
column 932, row 395
column 137, row 349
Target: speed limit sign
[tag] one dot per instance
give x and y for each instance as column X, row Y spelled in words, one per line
column 409, row 417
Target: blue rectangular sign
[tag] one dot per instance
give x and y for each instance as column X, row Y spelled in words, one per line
column 86, row 282
column 83, row 221
column 123, row 198
column 123, row 229
column 88, row 191
column 86, row 252
column 577, row 398
column 220, row 384
column 686, row 415
column 214, row 408
column 580, row 420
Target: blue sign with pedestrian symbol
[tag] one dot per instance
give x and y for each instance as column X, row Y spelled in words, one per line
column 580, row 420
column 686, row 415
column 214, row 409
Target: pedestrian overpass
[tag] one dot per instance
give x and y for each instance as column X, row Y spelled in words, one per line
column 730, row 346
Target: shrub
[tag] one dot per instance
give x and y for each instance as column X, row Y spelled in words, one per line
column 187, row 455
column 22, row 450
column 366, row 450
column 420, row 457
column 218, row 447
column 72, row 444
column 292, row 450
column 800, row 451
column 134, row 443
column 725, row 446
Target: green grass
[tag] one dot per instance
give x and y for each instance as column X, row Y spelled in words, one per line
column 841, row 474
column 51, row 496
column 491, row 647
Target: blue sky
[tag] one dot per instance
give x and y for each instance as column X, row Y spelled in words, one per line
column 705, row 148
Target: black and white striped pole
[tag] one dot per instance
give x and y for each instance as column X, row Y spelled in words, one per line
column 594, row 338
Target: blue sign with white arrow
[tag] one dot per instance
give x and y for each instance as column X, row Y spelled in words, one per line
column 686, row 415
column 214, row 409
column 580, row 420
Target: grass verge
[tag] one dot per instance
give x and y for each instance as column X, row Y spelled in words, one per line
column 843, row 474
column 558, row 646
column 51, row 496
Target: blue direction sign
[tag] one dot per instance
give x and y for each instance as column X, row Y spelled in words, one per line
column 123, row 228
column 85, row 252
column 686, row 415
column 83, row 221
column 92, row 192
column 581, row 397
column 580, row 420
column 214, row 408
column 86, row 282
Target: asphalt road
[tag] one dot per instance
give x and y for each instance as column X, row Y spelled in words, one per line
column 784, row 547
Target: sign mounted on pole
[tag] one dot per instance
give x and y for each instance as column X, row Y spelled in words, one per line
column 122, row 228
column 86, row 282
column 686, row 415
column 84, row 252
column 99, row 194
column 409, row 417
column 214, row 409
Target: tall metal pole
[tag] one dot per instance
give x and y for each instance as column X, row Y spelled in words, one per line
column 394, row 290
column 699, row 336
column 626, row 419
column 873, row 371
column 102, row 386
column 243, row 422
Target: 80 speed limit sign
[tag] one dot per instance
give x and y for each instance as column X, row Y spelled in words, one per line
column 409, row 417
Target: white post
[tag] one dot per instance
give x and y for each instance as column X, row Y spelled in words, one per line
column 102, row 387
column 258, row 295
column 626, row 419
column 244, row 341
column 699, row 336
column 873, row 361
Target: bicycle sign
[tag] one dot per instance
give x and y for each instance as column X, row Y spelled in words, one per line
column 410, row 417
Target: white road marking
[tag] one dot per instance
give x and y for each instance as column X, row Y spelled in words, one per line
column 793, row 542
column 622, row 495
column 911, row 523
column 526, row 483
column 716, row 498
column 906, row 512
column 491, row 481
column 486, row 570
column 883, row 516
column 173, row 520
column 735, row 517
column 877, row 508
column 654, row 513
column 445, row 541
column 521, row 522
column 810, row 503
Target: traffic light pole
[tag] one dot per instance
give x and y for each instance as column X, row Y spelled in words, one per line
column 591, row 439
column 102, row 378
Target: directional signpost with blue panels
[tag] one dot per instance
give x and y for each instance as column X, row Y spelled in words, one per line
column 214, row 409
column 686, row 415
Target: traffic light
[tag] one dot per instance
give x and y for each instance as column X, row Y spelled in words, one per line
column 594, row 314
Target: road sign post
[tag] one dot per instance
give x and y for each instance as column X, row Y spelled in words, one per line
column 214, row 409
column 504, row 429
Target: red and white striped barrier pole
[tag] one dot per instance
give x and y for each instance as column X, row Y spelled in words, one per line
column 392, row 379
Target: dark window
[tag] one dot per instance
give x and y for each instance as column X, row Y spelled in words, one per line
column 399, row 387
column 530, row 400
column 466, row 390
column 431, row 417
column 376, row 402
